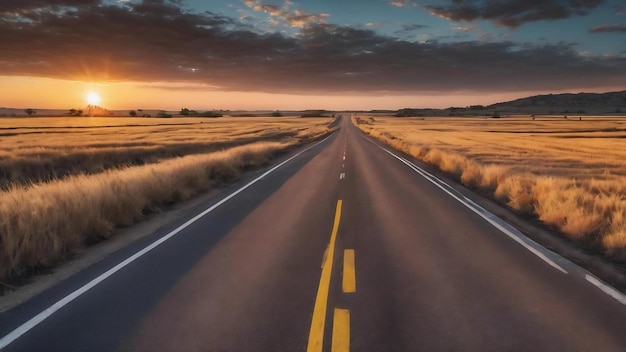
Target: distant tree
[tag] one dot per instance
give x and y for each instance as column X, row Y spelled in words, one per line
column 30, row 111
column 132, row 113
column 210, row 114
column 184, row 111
column 74, row 112
column 164, row 114
column 277, row 114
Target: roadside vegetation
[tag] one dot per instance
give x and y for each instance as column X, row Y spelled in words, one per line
column 44, row 149
column 69, row 183
column 570, row 174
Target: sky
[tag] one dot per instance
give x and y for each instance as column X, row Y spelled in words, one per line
column 307, row 54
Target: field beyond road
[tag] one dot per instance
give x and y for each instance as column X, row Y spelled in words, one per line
column 68, row 182
column 569, row 173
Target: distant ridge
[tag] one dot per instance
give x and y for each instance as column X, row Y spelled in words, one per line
column 549, row 104
column 581, row 103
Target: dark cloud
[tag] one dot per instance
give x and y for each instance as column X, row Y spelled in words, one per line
column 401, row 3
column 512, row 13
column 296, row 18
column 7, row 6
column 608, row 28
column 158, row 41
column 412, row 27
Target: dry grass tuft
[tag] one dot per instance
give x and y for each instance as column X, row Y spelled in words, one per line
column 569, row 174
column 45, row 223
column 67, row 183
column 615, row 240
column 43, row 149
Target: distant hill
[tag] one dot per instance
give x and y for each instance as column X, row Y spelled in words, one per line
column 581, row 103
column 550, row 104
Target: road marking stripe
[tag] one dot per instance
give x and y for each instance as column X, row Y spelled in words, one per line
column 517, row 236
column 341, row 331
column 342, row 175
column 491, row 220
column 520, row 238
column 324, row 258
column 620, row 297
column 344, row 157
column 316, row 334
column 46, row 313
column 349, row 272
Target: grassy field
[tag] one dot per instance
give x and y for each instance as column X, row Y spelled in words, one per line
column 43, row 149
column 569, row 173
column 69, row 182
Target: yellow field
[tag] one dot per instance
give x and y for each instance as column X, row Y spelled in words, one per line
column 70, row 182
column 571, row 174
column 41, row 149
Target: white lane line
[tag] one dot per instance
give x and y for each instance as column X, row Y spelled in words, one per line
column 342, row 175
column 620, row 297
column 344, row 157
column 515, row 234
column 511, row 232
column 501, row 225
column 46, row 313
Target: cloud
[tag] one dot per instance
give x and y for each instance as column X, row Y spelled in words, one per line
column 465, row 28
column 608, row 28
column 412, row 27
column 158, row 41
column 399, row 3
column 17, row 6
column 512, row 13
column 297, row 18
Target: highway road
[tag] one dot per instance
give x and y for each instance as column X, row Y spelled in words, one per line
column 340, row 246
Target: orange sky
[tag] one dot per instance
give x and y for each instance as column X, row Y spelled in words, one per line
column 286, row 55
column 44, row 93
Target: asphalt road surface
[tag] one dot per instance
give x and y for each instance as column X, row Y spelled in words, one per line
column 344, row 246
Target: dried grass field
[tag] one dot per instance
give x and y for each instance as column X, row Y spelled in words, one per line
column 569, row 173
column 68, row 182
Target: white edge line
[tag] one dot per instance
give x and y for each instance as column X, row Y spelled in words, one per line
column 620, row 297
column 46, row 313
column 607, row 289
column 495, row 224
column 503, row 229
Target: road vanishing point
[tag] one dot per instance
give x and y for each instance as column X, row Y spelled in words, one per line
column 342, row 245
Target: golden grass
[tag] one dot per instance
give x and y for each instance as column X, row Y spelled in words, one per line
column 42, row 223
column 570, row 174
column 43, row 149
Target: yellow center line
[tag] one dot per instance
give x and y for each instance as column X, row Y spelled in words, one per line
column 341, row 331
column 349, row 273
column 316, row 334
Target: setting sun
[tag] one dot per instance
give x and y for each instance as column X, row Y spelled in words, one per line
column 93, row 98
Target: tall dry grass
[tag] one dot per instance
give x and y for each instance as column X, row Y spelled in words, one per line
column 45, row 223
column 107, row 173
column 569, row 174
column 44, row 149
